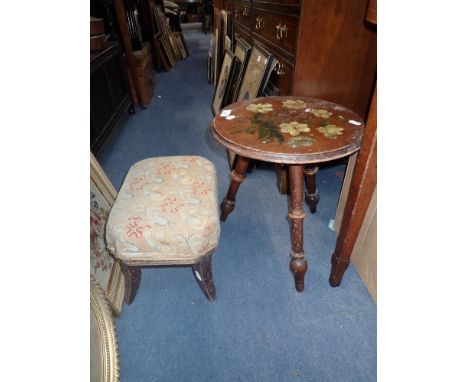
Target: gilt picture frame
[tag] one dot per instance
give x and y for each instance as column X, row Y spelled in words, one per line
column 107, row 272
column 104, row 349
column 223, row 81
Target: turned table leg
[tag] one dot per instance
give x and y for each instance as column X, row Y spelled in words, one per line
column 311, row 195
column 237, row 176
column 298, row 263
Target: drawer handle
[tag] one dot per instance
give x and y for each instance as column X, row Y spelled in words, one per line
column 260, row 23
column 245, row 11
column 279, row 69
column 281, row 31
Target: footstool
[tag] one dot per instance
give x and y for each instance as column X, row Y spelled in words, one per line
column 166, row 214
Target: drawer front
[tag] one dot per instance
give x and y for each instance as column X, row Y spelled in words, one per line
column 242, row 13
column 279, row 29
column 288, row 2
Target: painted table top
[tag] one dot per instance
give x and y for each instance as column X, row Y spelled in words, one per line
column 288, row 129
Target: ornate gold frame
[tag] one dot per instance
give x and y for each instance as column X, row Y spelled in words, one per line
column 109, row 348
column 115, row 289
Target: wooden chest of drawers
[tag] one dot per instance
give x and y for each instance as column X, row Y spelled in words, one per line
column 325, row 48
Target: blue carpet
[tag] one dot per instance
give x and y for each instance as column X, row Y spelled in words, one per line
column 259, row 328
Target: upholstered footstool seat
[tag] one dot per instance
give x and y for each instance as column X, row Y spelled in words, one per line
column 166, row 214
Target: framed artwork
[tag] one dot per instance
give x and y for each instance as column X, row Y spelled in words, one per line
column 255, row 73
column 266, row 78
column 242, row 52
column 209, row 69
column 270, row 90
column 230, row 87
column 104, row 349
column 106, row 271
column 215, row 66
column 175, row 50
column 223, row 81
column 180, row 45
column 227, row 43
column 168, row 50
column 184, row 43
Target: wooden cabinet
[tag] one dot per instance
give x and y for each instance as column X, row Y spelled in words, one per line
column 325, row 48
column 110, row 96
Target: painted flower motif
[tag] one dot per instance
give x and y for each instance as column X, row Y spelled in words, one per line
column 206, row 234
column 171, row 205
column 165, row 169
column 200, row 188
column 295, row 142
column 321, row 113
column 137, row 183
column 260, row 107
column 294, row 104
column 294, row 128
column 330, row 131
column 134, row 228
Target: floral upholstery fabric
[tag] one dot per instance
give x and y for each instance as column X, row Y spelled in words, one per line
column 166, row 212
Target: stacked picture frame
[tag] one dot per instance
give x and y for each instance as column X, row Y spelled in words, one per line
column 257, row 73
column 225, row 81
column 170, row 45
column 244, row 74
column 242, row 52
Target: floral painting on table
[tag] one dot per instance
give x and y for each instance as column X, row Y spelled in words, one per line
column 300, row 130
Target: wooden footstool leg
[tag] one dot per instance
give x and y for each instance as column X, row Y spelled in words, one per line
column 237, row 176
column 202, row 273
column 311, row 195
column 298, row 263
column 132, row 281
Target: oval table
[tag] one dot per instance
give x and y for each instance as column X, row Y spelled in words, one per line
column 295, row 131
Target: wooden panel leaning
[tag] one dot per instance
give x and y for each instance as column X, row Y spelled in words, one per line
column 166, row 214
column 363, row 184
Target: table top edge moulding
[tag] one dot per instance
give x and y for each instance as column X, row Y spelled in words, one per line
column 288, row 129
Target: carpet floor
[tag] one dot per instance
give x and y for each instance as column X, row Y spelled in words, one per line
column 259, row 328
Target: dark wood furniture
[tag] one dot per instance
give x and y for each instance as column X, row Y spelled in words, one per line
column 325, row 48
column 110, row 95
column 145, row 75
column 295, row 131
column 362, row 187
column 363, row 184
column 130, row 42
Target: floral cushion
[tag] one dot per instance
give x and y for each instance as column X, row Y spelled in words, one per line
column 166, row 212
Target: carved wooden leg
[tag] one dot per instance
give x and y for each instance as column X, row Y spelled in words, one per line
column 237, row 176
column 132, row 281
column 298, row 263
column 202, row 273
column 311, row 195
